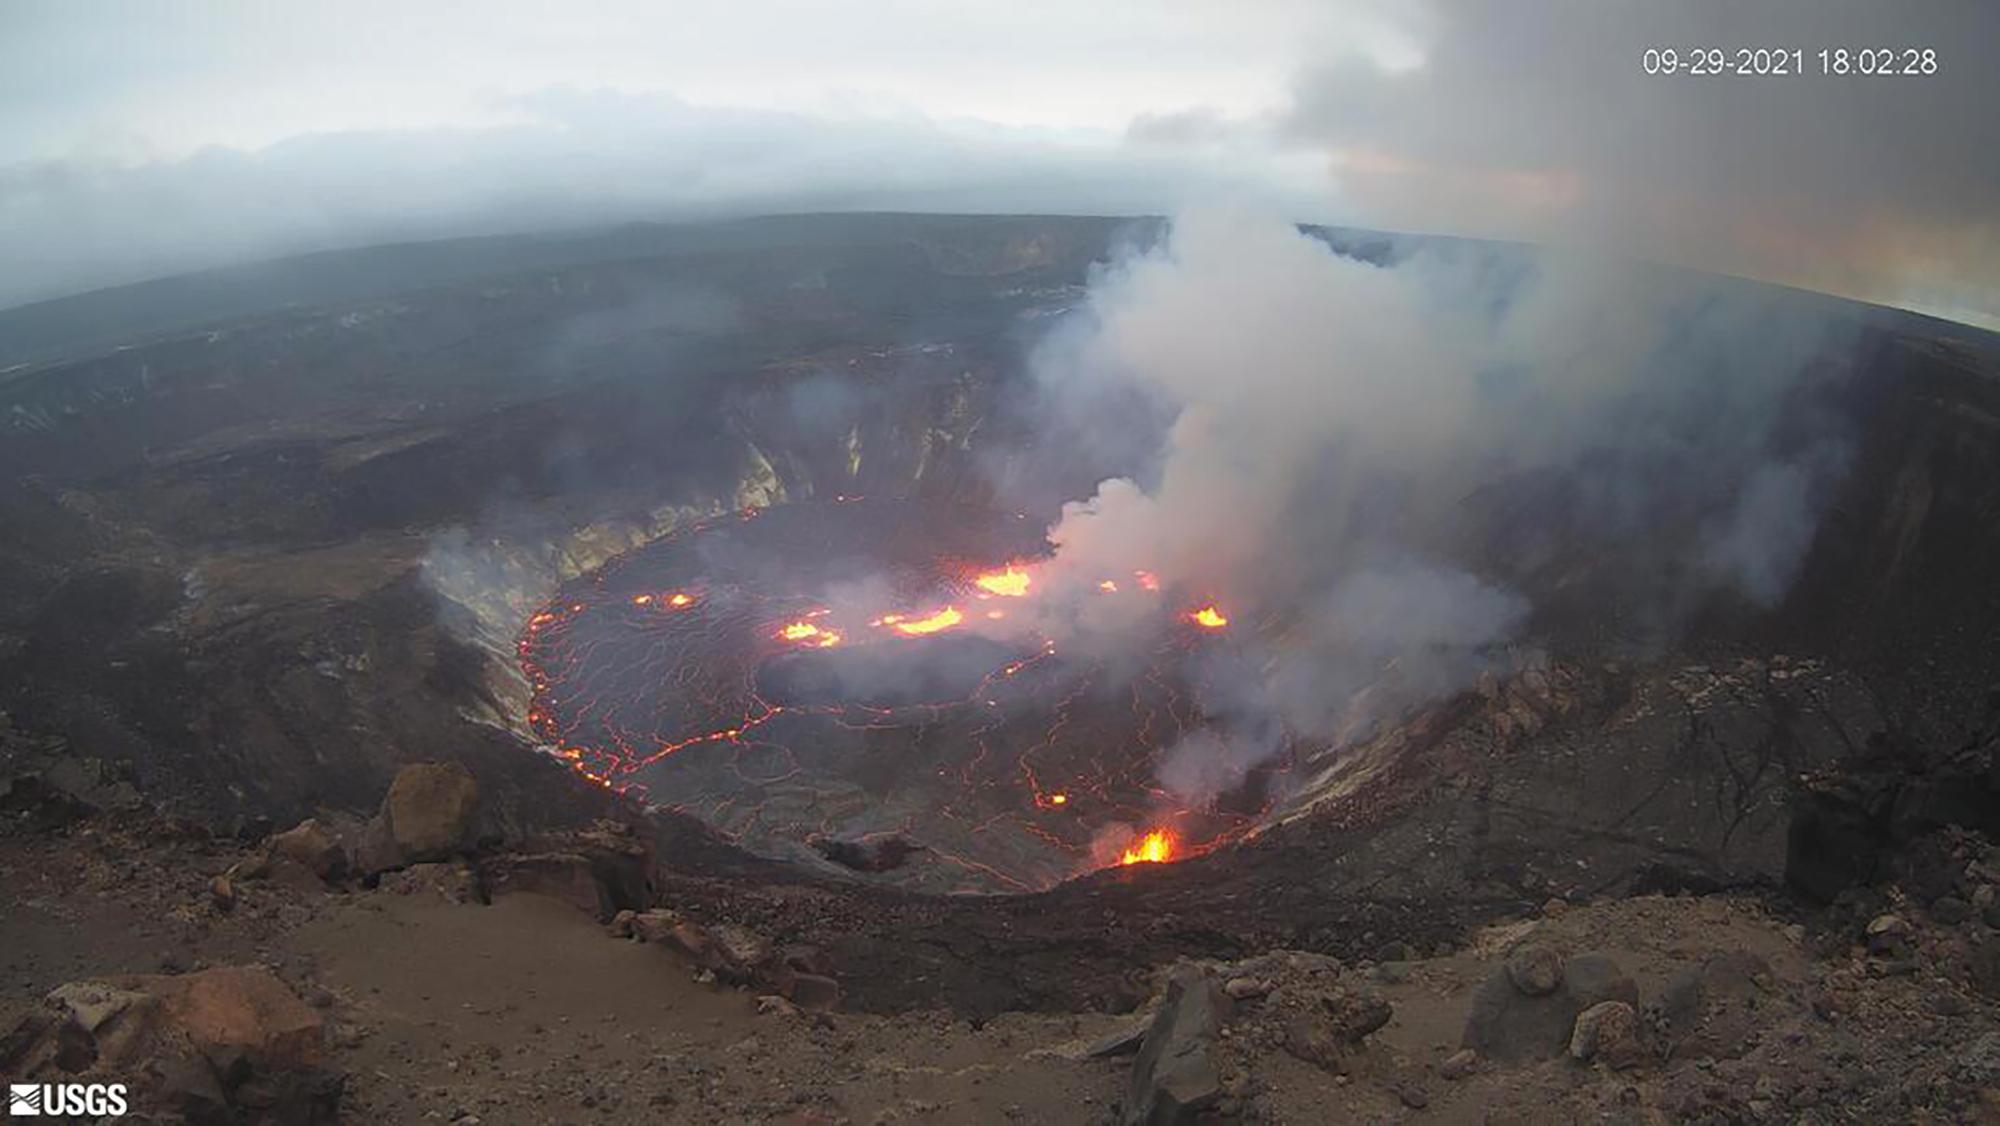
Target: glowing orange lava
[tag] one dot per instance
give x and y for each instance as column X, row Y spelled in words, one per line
column 1208, row 617
column 806, row 631
column 1011, row 583
column 1147, row 579
column 1108, row 587
column 943, row 619
column 641, row 599
column 680, row 599
column 1156, row 847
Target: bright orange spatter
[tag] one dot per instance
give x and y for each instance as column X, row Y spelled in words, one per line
column 680, row 599
column 1208, row 617
column 1156, row 847
column 1010, row 583
column 943, row 619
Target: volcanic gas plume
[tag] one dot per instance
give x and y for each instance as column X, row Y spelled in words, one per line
column 819, row 676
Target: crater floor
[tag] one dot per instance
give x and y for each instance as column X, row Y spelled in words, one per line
column 807, row 680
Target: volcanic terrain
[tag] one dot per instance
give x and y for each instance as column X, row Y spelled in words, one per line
column 685, row 544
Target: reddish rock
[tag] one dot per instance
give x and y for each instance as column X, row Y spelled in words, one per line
column 312, row 846
column 222, row 893
column 239, row 1007
column 429, row 809
column 653, row 926
column 1608, row 1033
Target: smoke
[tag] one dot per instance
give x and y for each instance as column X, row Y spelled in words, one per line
column 1539, row 121
column 1388, row 474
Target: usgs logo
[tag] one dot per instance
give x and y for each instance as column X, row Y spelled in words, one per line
column 98, row 1100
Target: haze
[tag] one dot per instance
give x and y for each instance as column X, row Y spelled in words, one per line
column 138, row 140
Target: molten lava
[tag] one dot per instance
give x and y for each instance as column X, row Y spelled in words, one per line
column 1010, row 583
column 695, row 673
column 806, row 631
column 943, row 619
column 1156, row 847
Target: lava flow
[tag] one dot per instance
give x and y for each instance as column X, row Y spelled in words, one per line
column 932, row 623
column 782, row 708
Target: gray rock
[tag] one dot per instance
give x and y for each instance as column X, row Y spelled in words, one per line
column 375, row 849
column 1509, row 1026
column 1243, row 988
column 813, row 992
column 1534, row 969
column 1174, row 1078
column 1119, row 1042
column 1712, row 1012
column 1459, row 1064
column 1888, row 935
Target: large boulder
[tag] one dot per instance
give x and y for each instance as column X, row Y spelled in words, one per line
column 429, row 809
column 1175, row 1079
column 224, row 1045
column 1511, row 1025
column 242, row 1008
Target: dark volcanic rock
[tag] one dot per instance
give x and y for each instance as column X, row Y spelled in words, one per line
column 1534, row 969
column 1508, row 1025
column 1175, row 1080
column 601, row 870
column 876, row 854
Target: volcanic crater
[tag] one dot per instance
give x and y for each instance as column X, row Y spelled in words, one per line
column 857, row 682
column 278, row 532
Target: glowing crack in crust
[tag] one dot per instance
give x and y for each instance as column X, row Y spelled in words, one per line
column 816, row 671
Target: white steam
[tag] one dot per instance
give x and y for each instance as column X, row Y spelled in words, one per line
column 1339, row 430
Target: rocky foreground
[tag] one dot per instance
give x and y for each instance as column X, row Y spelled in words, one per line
column 405, row 968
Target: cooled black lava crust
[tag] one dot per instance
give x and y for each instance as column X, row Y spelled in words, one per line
column 1009, row 767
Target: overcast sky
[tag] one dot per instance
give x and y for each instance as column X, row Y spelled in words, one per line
column 144, row 138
